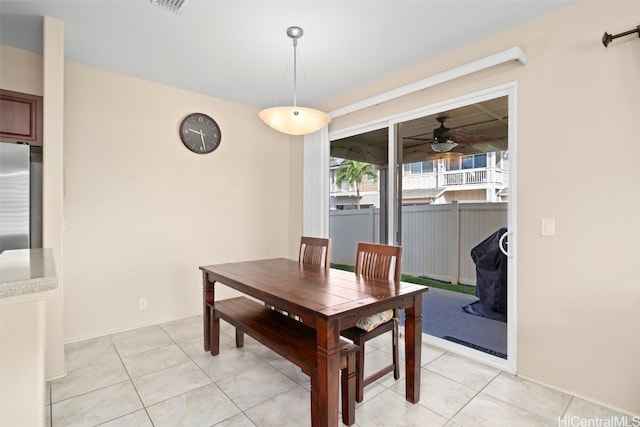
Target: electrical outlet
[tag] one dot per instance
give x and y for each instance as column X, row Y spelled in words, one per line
column 142, row 304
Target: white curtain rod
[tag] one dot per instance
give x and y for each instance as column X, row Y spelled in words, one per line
column 511, row 54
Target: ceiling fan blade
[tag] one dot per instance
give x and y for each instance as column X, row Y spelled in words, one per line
column 461, row 136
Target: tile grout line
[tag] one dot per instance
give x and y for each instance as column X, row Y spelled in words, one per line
column 505, row 402
column 212, row 382
column 470, row 400
column 564, row 413
column 132, row 384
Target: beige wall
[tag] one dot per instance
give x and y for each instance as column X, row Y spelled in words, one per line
column 578, row 292
column 20, row 70
column 141, row 212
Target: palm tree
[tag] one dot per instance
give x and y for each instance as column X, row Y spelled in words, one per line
column 353, row 172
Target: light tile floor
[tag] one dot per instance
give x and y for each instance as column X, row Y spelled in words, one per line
column 161, row 376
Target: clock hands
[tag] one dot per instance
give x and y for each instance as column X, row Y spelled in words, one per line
column 201, row 137
column 200, row 124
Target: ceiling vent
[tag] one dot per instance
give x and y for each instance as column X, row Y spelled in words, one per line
column 175, row 6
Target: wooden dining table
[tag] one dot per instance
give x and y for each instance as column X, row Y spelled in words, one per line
column 328, row 300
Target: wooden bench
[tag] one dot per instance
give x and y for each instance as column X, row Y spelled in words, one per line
column 290, row 338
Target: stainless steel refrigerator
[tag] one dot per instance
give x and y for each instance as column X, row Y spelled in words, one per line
column 14, row 196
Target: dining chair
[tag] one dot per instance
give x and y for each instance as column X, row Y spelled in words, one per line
column 315, row 251
column 383, row 262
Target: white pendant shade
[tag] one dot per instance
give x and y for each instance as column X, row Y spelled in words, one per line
column 294, row 120
column 443, row 147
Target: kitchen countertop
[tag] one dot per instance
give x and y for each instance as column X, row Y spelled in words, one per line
column 26, row 271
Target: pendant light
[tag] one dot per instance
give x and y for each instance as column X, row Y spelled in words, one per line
column 294, row 120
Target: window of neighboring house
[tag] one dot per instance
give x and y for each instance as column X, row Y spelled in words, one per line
column 418, row 167
column 475, row 161
column 453, row 164
column 467, row 162
column 480, row 161
column 427, row 166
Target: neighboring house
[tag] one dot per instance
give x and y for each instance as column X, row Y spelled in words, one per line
column 345, row 195
column 480, row 177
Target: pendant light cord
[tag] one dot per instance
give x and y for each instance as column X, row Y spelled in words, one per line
column 295, row 68
column 294, row 55
column 309, row 92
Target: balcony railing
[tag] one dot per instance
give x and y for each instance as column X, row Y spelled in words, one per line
column 464, row 177
column 455, row 178
column 444, row 179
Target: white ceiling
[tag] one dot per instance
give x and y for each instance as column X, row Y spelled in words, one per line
column 238, row 50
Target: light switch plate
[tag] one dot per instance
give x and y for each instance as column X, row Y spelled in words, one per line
column 547, row 227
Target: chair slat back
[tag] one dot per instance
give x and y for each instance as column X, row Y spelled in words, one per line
column 379, row 261
column 315, row 251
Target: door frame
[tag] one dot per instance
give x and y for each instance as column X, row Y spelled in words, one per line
column 510, row 90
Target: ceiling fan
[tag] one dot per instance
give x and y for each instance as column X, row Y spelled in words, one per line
column 446, row 139
column 441, row 141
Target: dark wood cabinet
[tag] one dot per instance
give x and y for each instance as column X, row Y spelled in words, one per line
column 20, row 117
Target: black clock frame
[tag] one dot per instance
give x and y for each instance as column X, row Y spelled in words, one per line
column 210, row 123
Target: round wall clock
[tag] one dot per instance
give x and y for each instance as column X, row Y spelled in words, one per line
column 200, row 133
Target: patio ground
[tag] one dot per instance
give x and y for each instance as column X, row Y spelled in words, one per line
column 442, row 316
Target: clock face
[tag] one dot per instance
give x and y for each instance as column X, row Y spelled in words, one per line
column 200, row 133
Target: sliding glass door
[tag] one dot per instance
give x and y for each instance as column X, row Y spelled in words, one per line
column 453, row 180
column 443, row 189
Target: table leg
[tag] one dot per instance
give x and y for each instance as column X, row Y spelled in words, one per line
column 208, row 296
column 325, row 381
column 413, row 348
column 214, row 332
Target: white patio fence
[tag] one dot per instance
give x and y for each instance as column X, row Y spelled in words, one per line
column 437, row 239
